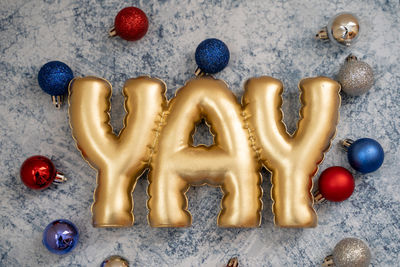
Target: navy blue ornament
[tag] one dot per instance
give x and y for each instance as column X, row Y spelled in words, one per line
column 54, row 78
column 365, row 155
column 60, row 236
column 212, row 56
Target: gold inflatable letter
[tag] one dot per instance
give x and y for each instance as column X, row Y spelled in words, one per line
column 120, row 159
column 230, row 163
column 293, row 160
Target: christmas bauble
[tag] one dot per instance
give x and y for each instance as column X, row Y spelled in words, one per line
column 351, row 252
column 60, row 236
column 365, row 155
column 336, row 184
column 343, row 29
column 131, row 24
column 54, row 78
column 115, row 261
column 356, row 77
column 212, row 56
column 37, row 172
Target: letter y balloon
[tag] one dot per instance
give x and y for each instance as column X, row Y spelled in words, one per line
column 121, row 159
column 157, row 135
column 292, row 159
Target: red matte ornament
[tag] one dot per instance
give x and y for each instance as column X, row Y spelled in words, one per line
column 130, row 24
column 38, row 172
column 336, row 184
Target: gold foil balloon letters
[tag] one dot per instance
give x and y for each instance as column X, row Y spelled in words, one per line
column 293, row 160
column 157, row 135
column 230, row 163
column 121, row 159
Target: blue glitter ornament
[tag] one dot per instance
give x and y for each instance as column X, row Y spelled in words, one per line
column 54, row 78
column 212, row 56
column 60, row 236
column 365, row 155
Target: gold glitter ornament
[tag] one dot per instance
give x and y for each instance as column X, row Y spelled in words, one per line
column 356, row 77
column 349, row 252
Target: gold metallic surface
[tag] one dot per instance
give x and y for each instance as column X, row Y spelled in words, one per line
column 115, row 261
column 229, row 163
column 345, row 27
column 292, row 159
column 120, row 159
column 158, row 135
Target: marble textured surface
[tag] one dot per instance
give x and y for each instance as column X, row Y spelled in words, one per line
column 265, row 38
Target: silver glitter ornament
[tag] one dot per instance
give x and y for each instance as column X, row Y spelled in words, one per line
column 356, row 77
column 349, row 252
column 343, row 29
column 115, row 261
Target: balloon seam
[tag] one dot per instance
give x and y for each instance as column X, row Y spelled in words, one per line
column 252, row 138
column 159, row 125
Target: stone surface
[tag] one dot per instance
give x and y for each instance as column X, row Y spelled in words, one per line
column 265, row 38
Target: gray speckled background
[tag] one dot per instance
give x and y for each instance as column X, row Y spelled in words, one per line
column 265, row 38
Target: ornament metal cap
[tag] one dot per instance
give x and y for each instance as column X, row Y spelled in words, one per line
column 112, row 32
column 343, row 29
column 233, row 262
column 351, row 57
column 60, row 178
column 198, row 72
column 346, row 143
column 328, row 261
column 318, row 198
column 57, row 100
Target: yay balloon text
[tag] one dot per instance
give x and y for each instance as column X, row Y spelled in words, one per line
column 158, row 135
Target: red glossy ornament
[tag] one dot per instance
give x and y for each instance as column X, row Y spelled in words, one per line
column 336, row 184
column 38, row 172
column 130, row 24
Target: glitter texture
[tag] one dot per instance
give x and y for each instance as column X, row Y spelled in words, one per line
column 131, row 23
column 54, row 78
column 212, row 55
column 356, row 77
column 351, row 252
